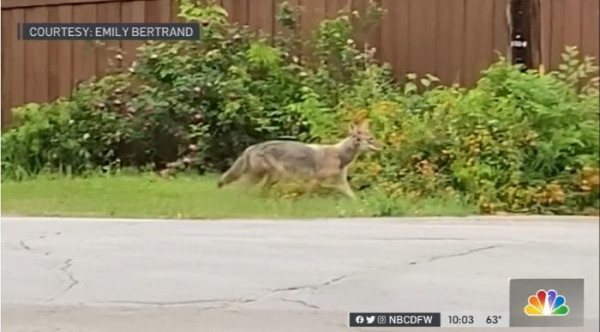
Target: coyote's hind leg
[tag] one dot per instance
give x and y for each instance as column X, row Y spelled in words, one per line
column 270, row 181
column 254, row 179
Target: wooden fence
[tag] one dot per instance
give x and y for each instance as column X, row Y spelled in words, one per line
column 568, row 22
column 452, row 39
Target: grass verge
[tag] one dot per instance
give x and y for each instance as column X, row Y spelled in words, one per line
column 188, row 197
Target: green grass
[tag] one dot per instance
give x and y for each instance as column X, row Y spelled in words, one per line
column 186, row 197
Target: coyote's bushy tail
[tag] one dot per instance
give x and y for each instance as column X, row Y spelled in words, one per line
column 235, row 171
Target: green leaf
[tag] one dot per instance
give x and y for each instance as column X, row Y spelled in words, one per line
column 410, row 88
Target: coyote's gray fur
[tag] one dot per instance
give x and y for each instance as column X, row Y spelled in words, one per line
column 275, row 161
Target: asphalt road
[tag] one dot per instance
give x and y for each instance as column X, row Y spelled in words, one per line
column 85, row 275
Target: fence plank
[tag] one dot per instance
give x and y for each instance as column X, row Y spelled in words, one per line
column 158, row 12
column 313, row 14
column 8, row 32
column 334, row 6
column 546, row 32
column 230, row 6
column 421, row 37
column 260, row 15
column 105, row 61
column 54, row 56
column 240, row 11
column 501, row 33
column 478, row 37
column 590, row 29
column 132, row 12
column 36, row 71
column 450, row 41
column 387, row 32
column 175, row 11
column 84, row 52
column 17, row 61
column 572, row 24
column 535, row 34
column 399, row 10
column 557, row 44
column 65, row 51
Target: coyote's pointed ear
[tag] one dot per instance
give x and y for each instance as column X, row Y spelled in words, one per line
column 364, row 125
column 351, row 128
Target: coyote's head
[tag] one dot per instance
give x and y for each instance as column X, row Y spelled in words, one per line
column 363, row 138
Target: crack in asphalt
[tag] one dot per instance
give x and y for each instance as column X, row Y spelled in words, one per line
column 171, row 303
column 309, row 286
column 462, row 253
column 25, row 246
column 300, row 302
column 418, row 239
column 66, row 265
column 73, row 281
column 226, row 303
column 64, row 268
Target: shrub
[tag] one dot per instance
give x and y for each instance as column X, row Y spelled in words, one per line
column 518, row 141
column 71, row 136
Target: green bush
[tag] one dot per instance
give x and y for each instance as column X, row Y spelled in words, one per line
column 517, row 141
column 71, row 136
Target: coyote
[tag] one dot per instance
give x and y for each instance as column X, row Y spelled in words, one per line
column 276, row 161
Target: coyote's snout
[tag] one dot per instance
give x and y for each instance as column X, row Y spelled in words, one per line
column 327, row 165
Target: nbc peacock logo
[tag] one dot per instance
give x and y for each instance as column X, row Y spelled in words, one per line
column 546, row 303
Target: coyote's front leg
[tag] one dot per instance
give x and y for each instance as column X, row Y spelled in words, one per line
column 343, row 186
column 346, row 190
